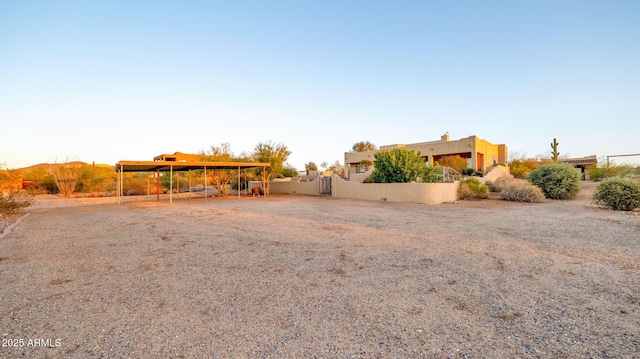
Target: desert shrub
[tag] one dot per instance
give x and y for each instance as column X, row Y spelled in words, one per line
column 600, row 173
column 367, row 180
column 522, row 191
column 556, row 180
column 95, row 178
column 10, row 180
column 472, row 188
column 66, row 177
column 499, row 184
column 40, row 180
column 140, row 183
column 621, row 194
column 14, row 201
column 491, row 186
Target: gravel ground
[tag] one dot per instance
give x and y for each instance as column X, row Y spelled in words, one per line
column 297, row 276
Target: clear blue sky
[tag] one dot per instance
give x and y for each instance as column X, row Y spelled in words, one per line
column 103, row 81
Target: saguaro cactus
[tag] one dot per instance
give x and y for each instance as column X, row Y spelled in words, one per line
column 554, row 146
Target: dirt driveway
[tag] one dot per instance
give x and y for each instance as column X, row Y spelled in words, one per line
column 297, row 276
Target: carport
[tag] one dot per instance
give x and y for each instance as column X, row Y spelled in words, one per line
column 175, row 166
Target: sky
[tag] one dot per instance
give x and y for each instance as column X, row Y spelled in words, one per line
column 104, row 81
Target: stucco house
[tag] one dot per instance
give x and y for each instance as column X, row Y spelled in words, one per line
column 481, row 155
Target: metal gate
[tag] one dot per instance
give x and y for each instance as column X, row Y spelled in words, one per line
column 325, row 186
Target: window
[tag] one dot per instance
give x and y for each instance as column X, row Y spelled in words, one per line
column 362, row 169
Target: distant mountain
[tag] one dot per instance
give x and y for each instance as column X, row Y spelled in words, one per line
column 50, row 166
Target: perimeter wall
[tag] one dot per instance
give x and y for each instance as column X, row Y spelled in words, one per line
column 426, row 193
column 311, row 188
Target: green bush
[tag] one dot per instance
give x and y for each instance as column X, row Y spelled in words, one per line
column 556, row 180
column 397, row 165
column 522, row 192
column 472, row 188
column 14, row 201
column 468, row 171
column 621, row 194
column 431, row 174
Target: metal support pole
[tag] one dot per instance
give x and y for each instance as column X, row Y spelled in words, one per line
column 158, row 185
column 171, row 184
column 121, row 192
column 206, row 197
column 238, row 182
column 118, row 186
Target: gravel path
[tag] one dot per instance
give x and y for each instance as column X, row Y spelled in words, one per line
column 297, row 276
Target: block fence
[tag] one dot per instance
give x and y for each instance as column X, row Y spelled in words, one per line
column 426, row 193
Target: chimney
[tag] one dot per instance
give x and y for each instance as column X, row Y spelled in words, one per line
column 445, row 137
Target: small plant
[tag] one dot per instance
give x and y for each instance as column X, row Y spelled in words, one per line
column 621, row 194
column 14, row 201
column 472, row 188
column 468, row 172
column 522, row 191
column 557, row 180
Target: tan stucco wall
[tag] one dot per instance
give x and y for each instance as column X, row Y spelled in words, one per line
column 353, row 176
column 427, row 193
column 495, row 173
column 295, row 187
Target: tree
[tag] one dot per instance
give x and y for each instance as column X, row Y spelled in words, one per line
column 363, row 146
column 221, row 177
column 336, row 167
column 310, row 166
column 289, row 171
column 397, row 165
column 456, row 162
column 274, row 153
column 520, row 168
